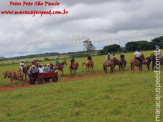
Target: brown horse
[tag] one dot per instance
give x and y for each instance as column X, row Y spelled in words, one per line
column 123, row 63
column 25, row 71
column 61, row 66
column 13, row 75
column 89, row 65
column 135, row 62
column 74, row 67
column 105, row 65
column 114, row 62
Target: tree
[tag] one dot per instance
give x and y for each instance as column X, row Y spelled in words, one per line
column 89, row 47
column 131, row 46
column 111, row 48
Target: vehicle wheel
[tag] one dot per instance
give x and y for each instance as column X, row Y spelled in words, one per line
column 55, row 78
column 32, row 82
column 46, row 79
column 40, row 80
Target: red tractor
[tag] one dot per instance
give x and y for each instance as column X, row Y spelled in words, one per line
column 40, row 78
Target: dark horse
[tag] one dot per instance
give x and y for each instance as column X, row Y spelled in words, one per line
column 25, row 71
column 146, row 61
column 123, row 63
column 113, row 63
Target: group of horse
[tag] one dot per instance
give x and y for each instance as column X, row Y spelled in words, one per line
column 90, row 65
column 134, row 63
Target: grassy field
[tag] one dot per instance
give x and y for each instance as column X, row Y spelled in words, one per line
column 98, row 69
column 119, row 97
column 124, row 97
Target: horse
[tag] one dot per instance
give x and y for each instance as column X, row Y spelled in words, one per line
column 114, row 62
column 25, row 71
column 74, row 67
column 123, row 63
column 89, row 65
column 105, row 65
column 61, row 66
column 135, row 62
column 147, row 61
column 13, row 75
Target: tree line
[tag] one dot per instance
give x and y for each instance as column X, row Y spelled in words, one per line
column 133, row 45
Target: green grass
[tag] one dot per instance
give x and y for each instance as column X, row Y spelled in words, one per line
column 124, row 97
column 98, row 69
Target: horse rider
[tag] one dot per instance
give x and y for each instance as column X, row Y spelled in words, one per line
column 34, row 62
column 57, row 62
column 122, row 57
column 137, row 56
column 22, row 65
column 37, row 64
column 89, row 59
column 108, row 58
column 34, row 71
column 114, row 56
column 72, row 62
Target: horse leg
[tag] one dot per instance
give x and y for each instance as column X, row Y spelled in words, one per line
column 70, row 71
column 11, row 82
column 148, row 66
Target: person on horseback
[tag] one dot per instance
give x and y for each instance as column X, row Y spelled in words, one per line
column 114, row 56
column 122, row 56
column 137, row 56
column 22, row 65
column 37, row 64
column 72, row 62
column 89, row 59
column 108, row 58
column 57, row 62
column 34, row 62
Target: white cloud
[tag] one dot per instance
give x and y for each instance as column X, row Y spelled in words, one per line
column 108, row 20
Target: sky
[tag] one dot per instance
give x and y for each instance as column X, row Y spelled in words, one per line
column 104, row 22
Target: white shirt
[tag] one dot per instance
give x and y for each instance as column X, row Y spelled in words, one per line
column 40, row 70
column 137, row 54
column 21, row 64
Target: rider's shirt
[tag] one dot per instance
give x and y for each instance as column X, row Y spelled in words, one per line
column 21, row 64
column 56, row 61
column 122, row 56
column 89, row 58
column 72, row 60
column 137, row 54
column 107, row 58
column 115, row 57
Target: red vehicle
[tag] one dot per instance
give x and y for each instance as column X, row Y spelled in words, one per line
column 40, row 78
